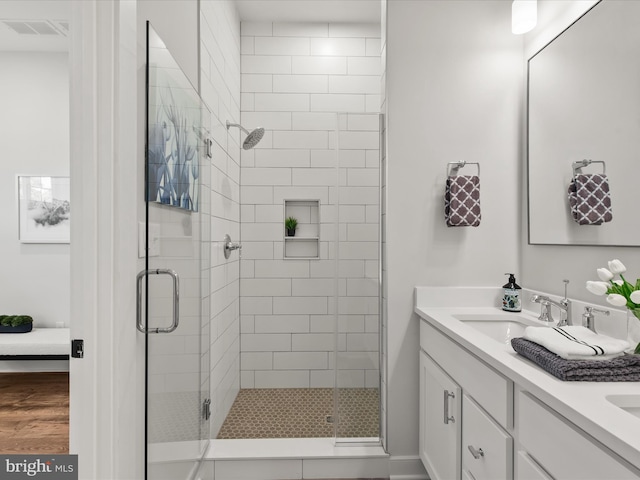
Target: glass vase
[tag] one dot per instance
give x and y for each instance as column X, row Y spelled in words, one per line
column 633, row 330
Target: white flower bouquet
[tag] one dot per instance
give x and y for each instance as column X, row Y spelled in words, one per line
column 619, row 291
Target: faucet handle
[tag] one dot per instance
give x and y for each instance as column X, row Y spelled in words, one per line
column 545, row 307
column 589, row 310
column 539, row 299
column 566, row 283
column 588, row 318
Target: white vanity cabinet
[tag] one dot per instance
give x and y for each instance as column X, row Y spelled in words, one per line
column 440, row 400
column 528, row 469
column 487, row 450
column 558, row 449
column 465, row 407
column 499, row 430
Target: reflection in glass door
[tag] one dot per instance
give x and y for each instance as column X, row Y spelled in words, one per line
column 175, row 279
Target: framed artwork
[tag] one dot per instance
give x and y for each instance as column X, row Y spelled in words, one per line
column 44, row 209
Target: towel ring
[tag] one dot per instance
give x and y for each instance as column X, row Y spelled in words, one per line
column 455, row 166
column 578, row 166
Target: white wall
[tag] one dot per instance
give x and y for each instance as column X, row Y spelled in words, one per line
column 34, row 120
column 176, row 21
column 545, row 266
column 220, row 90
column 454, row 92
column 295, row 77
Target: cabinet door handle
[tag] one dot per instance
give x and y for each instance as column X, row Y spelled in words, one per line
column 446, row 396
column 477, row 454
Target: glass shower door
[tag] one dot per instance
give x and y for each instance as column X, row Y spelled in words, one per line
column 359, row 278
column 172, row 287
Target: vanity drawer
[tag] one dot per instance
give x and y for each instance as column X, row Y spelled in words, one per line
column 561, row 449
column 490, row 389
column 487, row 450
column 528, row 469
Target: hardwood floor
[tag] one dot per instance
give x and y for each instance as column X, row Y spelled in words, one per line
column 34, row 413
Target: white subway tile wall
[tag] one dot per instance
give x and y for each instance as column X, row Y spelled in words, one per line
column 298, row 80
column 220, row 80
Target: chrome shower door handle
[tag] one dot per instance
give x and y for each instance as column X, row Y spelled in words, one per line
column 176, row 300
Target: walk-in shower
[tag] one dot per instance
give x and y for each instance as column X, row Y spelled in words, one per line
column 309, row 346
column 279, row 333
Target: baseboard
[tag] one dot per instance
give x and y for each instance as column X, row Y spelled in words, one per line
column 407, row 467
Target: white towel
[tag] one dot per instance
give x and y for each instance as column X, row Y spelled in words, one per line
column 576, row 343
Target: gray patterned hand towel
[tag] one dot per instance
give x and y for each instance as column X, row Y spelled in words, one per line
column 462, row 201
column 589, row 199
column 625, row 368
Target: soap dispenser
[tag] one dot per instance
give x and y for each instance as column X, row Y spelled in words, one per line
column 511, row 298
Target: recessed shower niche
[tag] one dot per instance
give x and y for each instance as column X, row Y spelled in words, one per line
column 305, row 244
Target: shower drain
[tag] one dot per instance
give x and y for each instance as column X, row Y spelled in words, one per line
column 329, row 418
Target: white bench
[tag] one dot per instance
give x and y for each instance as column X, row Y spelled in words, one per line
column 40, row 350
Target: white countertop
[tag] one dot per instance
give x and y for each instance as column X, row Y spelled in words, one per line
column 39, row 341
column 583, row 403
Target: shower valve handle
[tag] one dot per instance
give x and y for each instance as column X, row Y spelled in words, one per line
column 230, row 246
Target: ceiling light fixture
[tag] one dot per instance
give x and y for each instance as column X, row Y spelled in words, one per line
column 524, row 16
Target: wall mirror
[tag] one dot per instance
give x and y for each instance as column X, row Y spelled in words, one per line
column 584, row 103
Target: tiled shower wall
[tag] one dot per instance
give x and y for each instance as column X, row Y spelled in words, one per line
column 219, row 83
column 295, row 77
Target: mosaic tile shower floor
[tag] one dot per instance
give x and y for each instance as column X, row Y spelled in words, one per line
column 302, row 413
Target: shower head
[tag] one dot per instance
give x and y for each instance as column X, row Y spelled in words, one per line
column 253, row 137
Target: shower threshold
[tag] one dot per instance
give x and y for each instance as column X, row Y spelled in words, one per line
column 295, row 458
column 293, row 448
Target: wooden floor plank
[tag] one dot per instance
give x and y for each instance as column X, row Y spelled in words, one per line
column 34, row 413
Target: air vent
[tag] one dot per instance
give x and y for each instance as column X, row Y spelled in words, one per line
column 37, row 27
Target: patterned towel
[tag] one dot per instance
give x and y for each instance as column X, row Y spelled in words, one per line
column 625, row 368
column 589, row 199
column 462, row 201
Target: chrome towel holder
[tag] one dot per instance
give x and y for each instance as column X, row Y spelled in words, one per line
column 579, row 165
column 453, row 167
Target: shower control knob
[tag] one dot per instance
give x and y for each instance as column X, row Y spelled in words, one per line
column 230, row 246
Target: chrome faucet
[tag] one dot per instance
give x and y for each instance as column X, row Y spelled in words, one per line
column 564, row 305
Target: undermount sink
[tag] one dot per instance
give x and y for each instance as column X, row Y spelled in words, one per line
column 628, row 403
column 500, row 329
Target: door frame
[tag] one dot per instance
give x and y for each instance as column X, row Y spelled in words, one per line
column 107, row 385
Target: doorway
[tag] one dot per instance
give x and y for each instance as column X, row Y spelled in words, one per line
column 34, row 92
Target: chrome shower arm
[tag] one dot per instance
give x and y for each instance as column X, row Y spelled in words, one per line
column 237, row 125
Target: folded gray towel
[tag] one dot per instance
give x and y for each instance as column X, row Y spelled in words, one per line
column 625, row 368
column 590, row 199
column 462, row 201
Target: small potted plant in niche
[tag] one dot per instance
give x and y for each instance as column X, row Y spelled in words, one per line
column 15, row 323
column 290, row 224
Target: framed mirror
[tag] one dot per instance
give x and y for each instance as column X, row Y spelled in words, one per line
column 584, row 104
